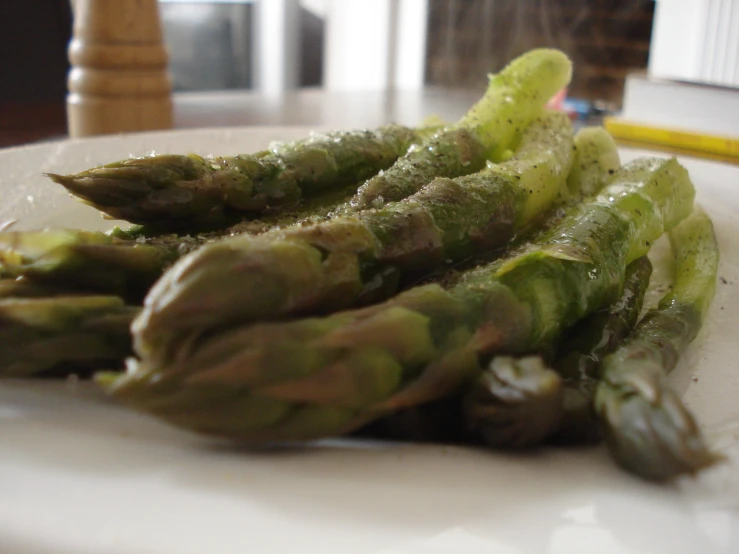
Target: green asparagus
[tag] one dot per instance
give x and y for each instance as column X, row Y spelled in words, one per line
column 513, row 402
column 191, row 190
column 187, row 191
column 586, row 345
column 355, row 260
column 487, row 131
column 317, row 377
column 647, row 428
column 127, row 262
column 39, row 334
column 89, row 260
column 521, row 402
column 596, row 161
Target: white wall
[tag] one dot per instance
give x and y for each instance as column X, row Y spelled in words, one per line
column 696, row 40
column 375, row 44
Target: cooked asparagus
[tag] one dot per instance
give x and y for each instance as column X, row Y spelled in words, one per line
column 191, row 190
column 586, row 345
column 186, row 191
column 86, row 260
column 318, row 377
column 39, row 334
column 127, row 262
column 360, row 259
column 647, row 428
column 521, row 402
column 513, row 402
column 488, row 130
column 595, row 163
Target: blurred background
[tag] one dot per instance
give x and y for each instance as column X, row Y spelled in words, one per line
column 220, row 49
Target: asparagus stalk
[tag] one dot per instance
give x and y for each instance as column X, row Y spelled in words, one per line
column 513, row 402
column 647, row 428
column 596, row 161
column 126, row 262
column 354, row 260
column 39, row 334
column 521, row 402
column 584, row 348
column 487, row 131
column 187, row 191
column 86, row 260
column 317, row 377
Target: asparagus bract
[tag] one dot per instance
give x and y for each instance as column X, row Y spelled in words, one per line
column 38, row 334
column 647, row 428
column 318, row 377
column 187, row 191
column 354, row 260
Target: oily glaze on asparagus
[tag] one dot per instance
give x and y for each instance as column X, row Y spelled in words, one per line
column 360, row 259
column 318, row 377
column 647, row 428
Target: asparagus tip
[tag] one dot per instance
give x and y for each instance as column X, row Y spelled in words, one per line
column 649, row 431
column 516, row 402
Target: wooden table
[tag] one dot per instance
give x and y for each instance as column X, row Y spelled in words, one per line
column 23, row 124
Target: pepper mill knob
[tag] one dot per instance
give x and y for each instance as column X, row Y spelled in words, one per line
column 119, row 80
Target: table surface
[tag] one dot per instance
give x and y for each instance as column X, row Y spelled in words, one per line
column 27, row 123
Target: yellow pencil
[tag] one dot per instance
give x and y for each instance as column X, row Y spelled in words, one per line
column 690, row 142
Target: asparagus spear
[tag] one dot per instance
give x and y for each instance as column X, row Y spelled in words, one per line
column 358, row 259
column 647, row 428
column 192, row 190
column 595, row 163
column 127, row 262
column 84, row 259
column 587, row 344
column 521, row 402
column 513, row 402
column 39, row 334
column 187, row 191
column 318, row 377
column 487, row 131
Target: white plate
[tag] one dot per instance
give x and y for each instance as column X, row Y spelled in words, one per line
column 79, row 475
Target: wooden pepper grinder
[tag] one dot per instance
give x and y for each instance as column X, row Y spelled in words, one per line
column 119, row 80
